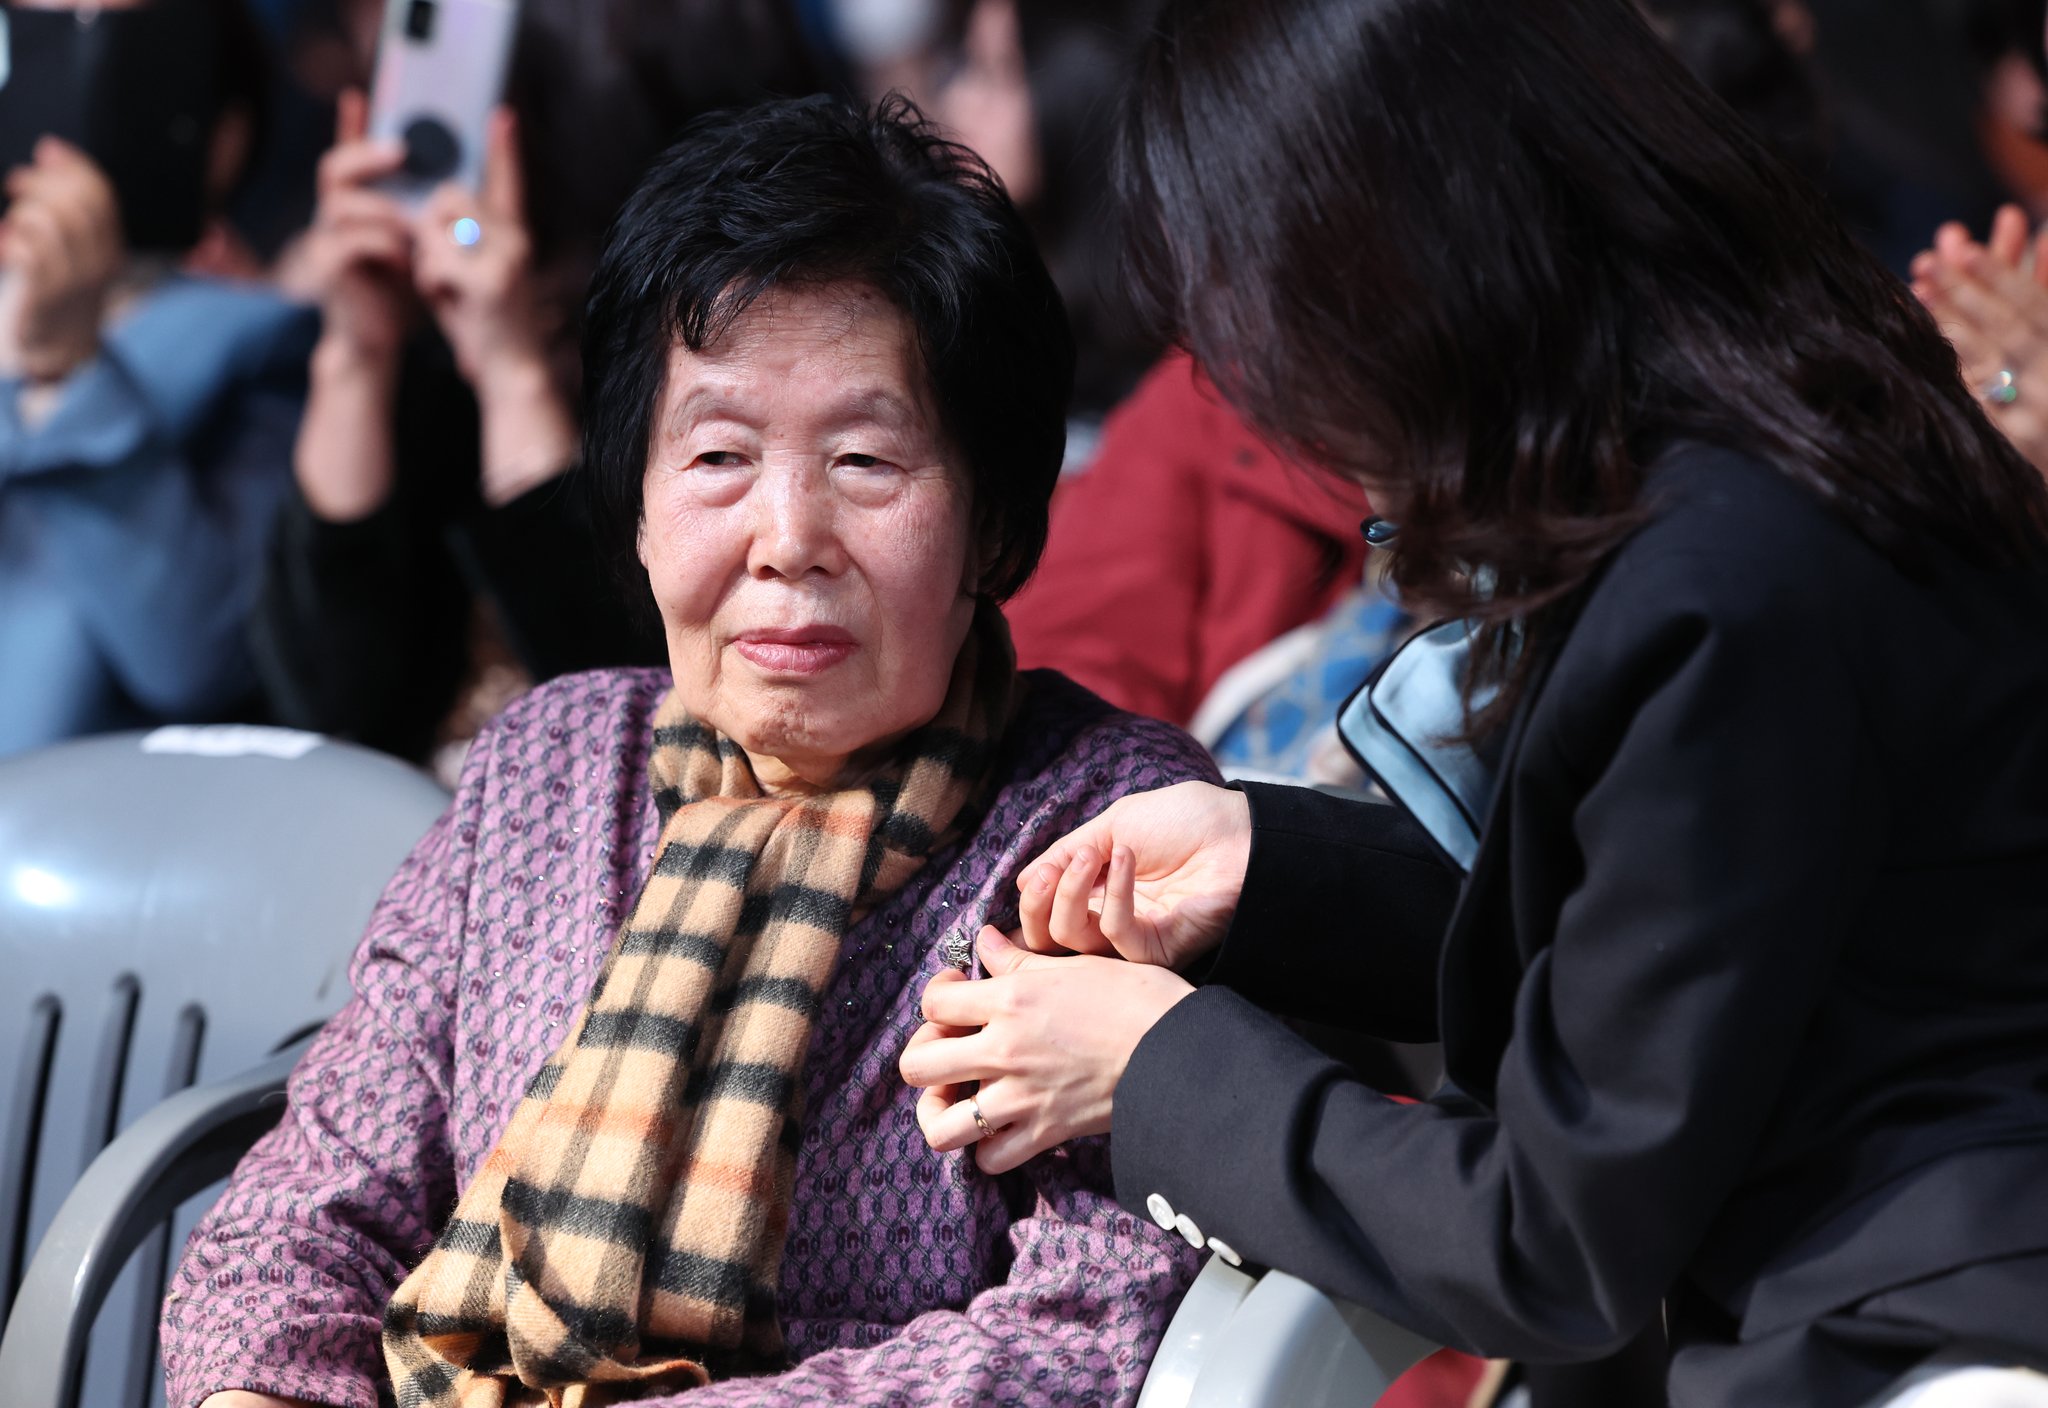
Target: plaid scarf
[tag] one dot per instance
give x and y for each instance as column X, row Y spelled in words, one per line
column 625, row 1235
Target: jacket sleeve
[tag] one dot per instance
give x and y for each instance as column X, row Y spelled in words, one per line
column 1729, row 822
column 158, row 534
column 283, row 1284
column 1342, row 917
column 360, row 630
column 1078, row 1319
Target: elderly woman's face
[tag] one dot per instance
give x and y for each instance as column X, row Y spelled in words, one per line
column 807, row 533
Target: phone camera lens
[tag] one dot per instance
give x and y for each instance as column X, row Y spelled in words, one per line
column 419, row 20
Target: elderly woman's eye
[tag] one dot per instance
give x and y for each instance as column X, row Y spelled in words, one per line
column 859, row 461
column 718, row 459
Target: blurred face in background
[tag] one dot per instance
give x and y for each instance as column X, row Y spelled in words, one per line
column 985, row 101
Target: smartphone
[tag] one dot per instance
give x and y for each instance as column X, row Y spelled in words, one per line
column 134, row 89
column 440, row 70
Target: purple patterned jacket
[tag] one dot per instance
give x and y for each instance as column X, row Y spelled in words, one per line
column 908, row 1278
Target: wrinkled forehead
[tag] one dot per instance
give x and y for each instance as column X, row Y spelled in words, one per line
column 821, row 353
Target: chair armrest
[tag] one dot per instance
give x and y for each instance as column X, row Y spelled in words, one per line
column 1204, row 1313
column 1291, row 1345
column 180, row 1147
column 1274, row 1342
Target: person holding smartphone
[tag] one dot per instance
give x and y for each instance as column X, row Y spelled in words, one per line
column 144, row 412
column 431, row 562
column 1741, row 967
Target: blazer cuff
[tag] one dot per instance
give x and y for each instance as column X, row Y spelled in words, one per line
column 1342, row 917
column 1211, row 1112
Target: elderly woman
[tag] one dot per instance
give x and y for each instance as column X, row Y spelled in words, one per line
column 613, row 1112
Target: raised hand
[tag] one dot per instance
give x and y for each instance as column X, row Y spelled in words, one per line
column 474, row 267
column 356, row 260
column 475, row 264
column 1154, row 879
column 1995, row 312
column 61, row 248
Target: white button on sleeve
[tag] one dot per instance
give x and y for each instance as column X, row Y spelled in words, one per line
column 1226, row 1251
column 1161, row 1210
column 1185, row 1225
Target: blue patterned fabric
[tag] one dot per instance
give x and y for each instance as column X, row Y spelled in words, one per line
column 1280, row 733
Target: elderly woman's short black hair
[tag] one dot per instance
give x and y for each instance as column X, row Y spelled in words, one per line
column 811, row 191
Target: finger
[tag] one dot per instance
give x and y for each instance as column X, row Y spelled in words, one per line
column 932, row 1106
column 1953, row 243
column 41, row 238
column 373, row 247
column 74, row 208
column 1010, row 1148
column 1969, row 300
column 2016, row 292
column 999, row 956
column 1977, row 304
column 947, row 1060
column 55, row 154
column 925, row 1035
column 933, row 1030
column 1034, row 907
column 963, row 1004
column 448, row 203
column 351, row 117
column 1073, row 924
column 504, row 185
column 361, row 205
column 1091, row 836
column 1120, row 900
column 359, row 163
column 955, row 1126
column 2008, row 242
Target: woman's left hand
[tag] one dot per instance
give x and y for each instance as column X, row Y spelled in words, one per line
column 1046, row 1037
column 473, row 264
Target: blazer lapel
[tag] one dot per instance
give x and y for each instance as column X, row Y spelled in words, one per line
column 1480, row 971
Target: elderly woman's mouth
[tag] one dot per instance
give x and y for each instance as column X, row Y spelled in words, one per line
column 801, row 650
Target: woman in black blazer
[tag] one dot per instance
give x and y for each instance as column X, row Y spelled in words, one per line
column 1744, row 1000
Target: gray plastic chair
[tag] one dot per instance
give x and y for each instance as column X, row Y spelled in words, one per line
column 176, row 908
column 1274, row 1342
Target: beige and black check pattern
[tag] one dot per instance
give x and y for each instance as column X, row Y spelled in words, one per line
column 625, row 1234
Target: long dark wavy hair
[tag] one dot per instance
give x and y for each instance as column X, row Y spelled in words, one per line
column 1492, row 255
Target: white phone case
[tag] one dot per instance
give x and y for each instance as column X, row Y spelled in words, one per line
column 441, row 68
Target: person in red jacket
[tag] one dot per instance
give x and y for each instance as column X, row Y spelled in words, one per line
column 1183, row 547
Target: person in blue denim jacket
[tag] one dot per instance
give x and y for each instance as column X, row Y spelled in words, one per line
column 146, row 422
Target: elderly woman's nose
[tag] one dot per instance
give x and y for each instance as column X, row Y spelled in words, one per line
column 796, row 527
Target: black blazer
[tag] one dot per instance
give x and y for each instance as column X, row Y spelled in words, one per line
column 1744, row 1005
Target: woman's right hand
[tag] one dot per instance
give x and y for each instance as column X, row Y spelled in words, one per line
column 357, row 258
column 1995, row 313
column 1155, row 878
column 357, row 262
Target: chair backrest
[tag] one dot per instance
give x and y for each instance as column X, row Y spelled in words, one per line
column 174, row 907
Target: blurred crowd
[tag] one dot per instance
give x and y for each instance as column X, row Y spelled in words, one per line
column 288, row 426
